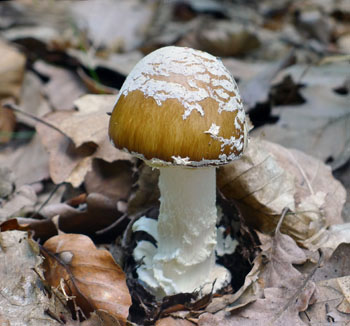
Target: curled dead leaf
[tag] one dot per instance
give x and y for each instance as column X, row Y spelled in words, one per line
column 22, row 299
column 169, row 321
column 269, row 177
column 90, row 275
column 83, row 137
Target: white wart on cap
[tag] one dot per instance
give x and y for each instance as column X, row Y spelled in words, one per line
column 179, row 106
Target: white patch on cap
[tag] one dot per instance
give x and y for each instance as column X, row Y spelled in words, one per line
column 213, row 130
column 205, row 77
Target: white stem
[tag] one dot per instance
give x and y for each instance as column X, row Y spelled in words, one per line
column 186, row 228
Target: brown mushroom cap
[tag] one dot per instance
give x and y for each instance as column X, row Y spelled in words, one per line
column 179, row 106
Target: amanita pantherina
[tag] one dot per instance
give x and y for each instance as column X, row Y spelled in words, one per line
column 179, row 110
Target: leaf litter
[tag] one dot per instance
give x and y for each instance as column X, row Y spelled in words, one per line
column 103, row 191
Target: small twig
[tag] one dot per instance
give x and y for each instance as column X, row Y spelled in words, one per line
column 283, row 215
column 15, row 108
column 53, row 191
column 113, row 225
column 53, row 316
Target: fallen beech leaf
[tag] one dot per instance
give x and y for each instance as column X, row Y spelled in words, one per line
column 100, row 212
column 319, row 127
column 100, row 318
column 22, row 299
column 330, row 238
column 21, row 199
column 7, row 180
column 169, row 321
column 40, row 229
column 7, row 124
column 12, row 66
column 71, row 158
column 227, row 38
column 269, row 177
column 282, row 292
column 29, row 163
column 326, row 309
column 63, row 87
column 332, row 280
column 32, row 99
column 89, row 274
column 344, row 286
column 256, row 90
column 147, row 193
column 112, row 24
column 336, row 266
column 113, row 180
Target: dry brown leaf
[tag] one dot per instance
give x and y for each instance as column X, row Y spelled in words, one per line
column 11, row 71
column 113, row 180
column 269, row 177
column 326, row 309
column 101, row 212
column 330, row 238
column 89, row 274
column 63, row 87
column 71, row 156
column 332, row 281
column 29, row 163
column 100, row 318
column 7, row 180
column 282, row 291
column 7, row 124
column 147, row 192
column 115, row 25
column 21, row 199
column 32, row 99
column 121, row 63
column 169, row 321
column 227, row 38
column 22, row 299
column 320, row 127
column 256, row 90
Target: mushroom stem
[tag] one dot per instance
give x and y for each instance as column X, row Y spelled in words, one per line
column 186, row 228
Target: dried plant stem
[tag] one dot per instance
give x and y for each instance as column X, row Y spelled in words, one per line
column 15, row 108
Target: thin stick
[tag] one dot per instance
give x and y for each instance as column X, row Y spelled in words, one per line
column 15, row 108
column 53, row 191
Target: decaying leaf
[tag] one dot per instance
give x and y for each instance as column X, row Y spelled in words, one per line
column 282, row 291
column 113, row 180
column 88, row 274
column 147, row 193
column 319, row 127
column 100, row 212
column 256, row 90
column 227, row 38
column 12, row 66
column 86, row 138
column 7, row 124
column 63, row 87
column 169, row 321
column 21, row 199
column 32, row 99
column 269, row 177
column 332, row 280
column 112, row 24
column 29, row 163
column 330, row 238
column 23, row 300
column 6, row 181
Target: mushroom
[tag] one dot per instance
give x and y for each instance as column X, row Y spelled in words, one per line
column 179, row 110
